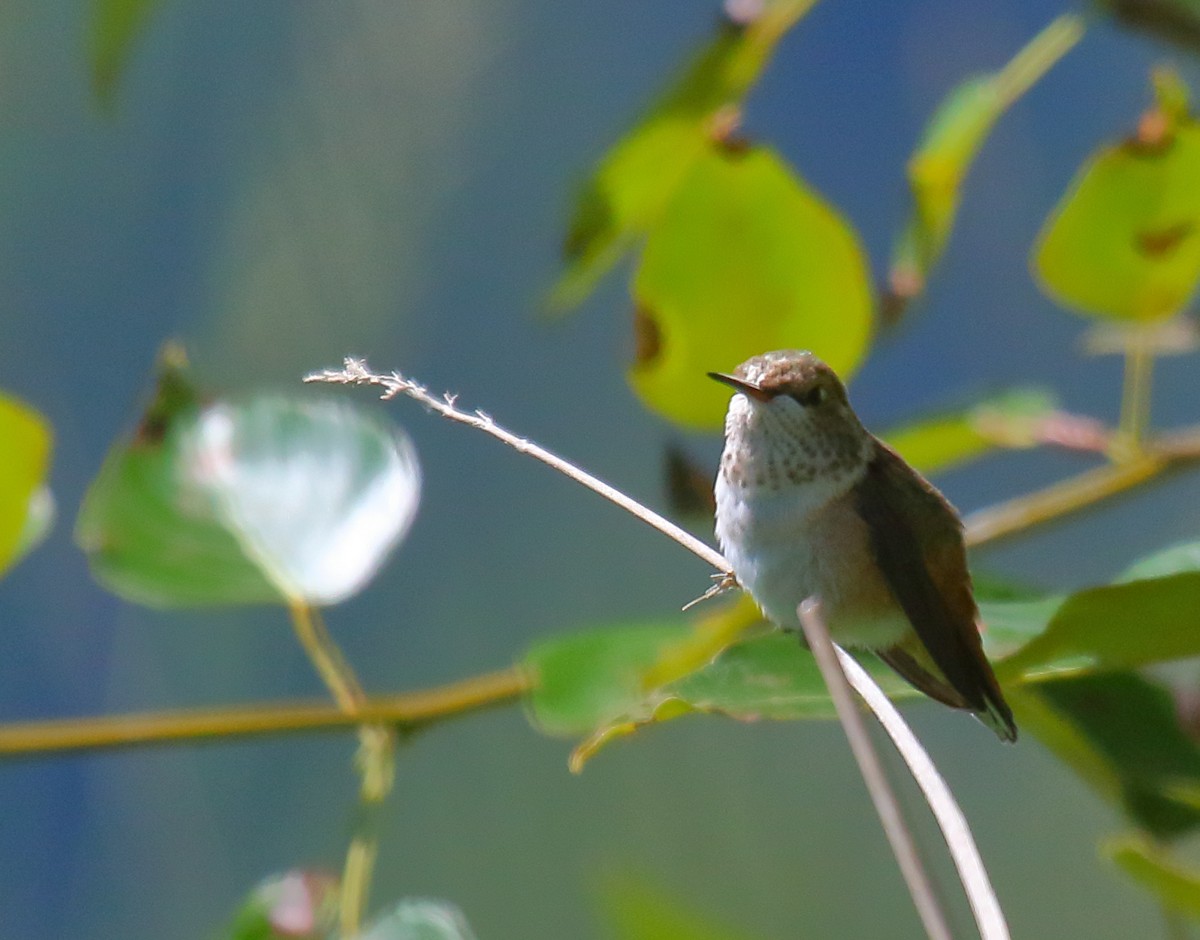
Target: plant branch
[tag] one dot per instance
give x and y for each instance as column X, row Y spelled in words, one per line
column 1060, row 499
column 408, row 712
column 375, row 761
column 967, row 861
column 355, row 372
column 891, row 817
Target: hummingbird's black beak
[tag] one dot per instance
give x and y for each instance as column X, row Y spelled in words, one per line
column 741, row 385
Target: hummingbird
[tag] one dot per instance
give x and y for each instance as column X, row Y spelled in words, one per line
column 810, row 503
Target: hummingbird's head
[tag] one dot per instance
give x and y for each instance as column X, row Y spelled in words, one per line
column 791, row 422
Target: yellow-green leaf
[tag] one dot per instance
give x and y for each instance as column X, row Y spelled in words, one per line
column 116, row 26
column 1125, row 239
column 639, row 911
column 26, row 440
column 1177, row 886
column 951, row 140
column 638, row 176
column 746, row 258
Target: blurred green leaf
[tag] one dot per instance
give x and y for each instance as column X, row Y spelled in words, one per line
column 949, row 145
column 24, row 501
column 943, row 441
column 746, row 258
column 1176, row 886
column 641, row 912
column 639, row 175
column 116, row 26
column 1125, row 239
column 419, row 919
column 1121, row 733
column 252, row 502
column 298, row 905
column 1117, row 626
column 1176, row 559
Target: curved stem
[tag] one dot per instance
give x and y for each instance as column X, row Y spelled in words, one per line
column 1066, row 496
column 887, row 805
column 375, row 761
column 407, row 711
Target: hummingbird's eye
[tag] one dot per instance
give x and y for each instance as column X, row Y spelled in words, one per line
column 814, row 396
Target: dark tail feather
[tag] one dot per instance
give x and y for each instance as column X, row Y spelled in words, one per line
column 995, row 712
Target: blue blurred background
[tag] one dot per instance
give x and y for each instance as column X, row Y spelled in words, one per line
column 285, row 182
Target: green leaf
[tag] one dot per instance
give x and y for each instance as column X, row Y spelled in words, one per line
column 25, row 504
column 1176, row 886
column 298, row 905
column 247, row 502
column 587, row 680
column 1124, row 241
column 943, row 441
column 116, row 27
column 1117, row 626
column 1121, row 733
column 952, row 139
column 746, row 258
column 639, row 175
column 419, row 919
column 639, row 911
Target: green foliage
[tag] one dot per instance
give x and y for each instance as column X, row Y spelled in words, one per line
column 638, row 177
column 944, row 155
column 794, row 276
column 267, row 500
column 1177, row 886
column 639, row 911
column 1124, row 241
column 1121, row 733
column 24, row 502
column 419, row 920
column 116, row 27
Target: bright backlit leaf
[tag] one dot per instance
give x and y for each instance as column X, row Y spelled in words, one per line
column 1125, row 239
column 298, row 905
column 639, row 175
column 258, row 501
column 25, row 504
column 746, row 258
column 1176, row 885
column 419, row 919
column 952, row 139
column 116, row 27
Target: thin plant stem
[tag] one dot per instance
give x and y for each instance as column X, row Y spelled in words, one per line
column 376, row 761
column 891, row 817
column 1059, row 499
column 989, row 917
column 408, row 711
column 355, row 372
column 1135, row 397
